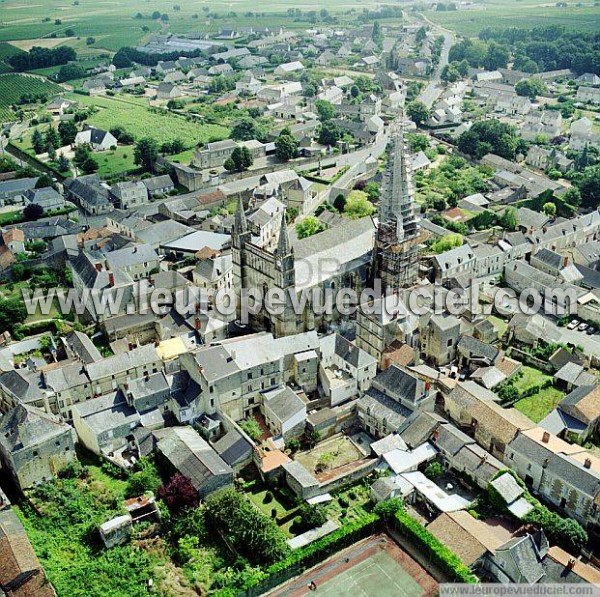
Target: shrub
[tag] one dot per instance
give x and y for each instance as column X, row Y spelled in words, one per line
column 255, row 535
column 387, row 509
column 434, row 470
column 268, row 498
column 343, row 500
column 439, row 554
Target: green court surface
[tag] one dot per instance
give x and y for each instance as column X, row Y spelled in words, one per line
column 378, row 576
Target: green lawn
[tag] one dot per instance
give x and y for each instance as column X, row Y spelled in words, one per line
column 528, row 377
column 115, row 162
column 499, row 324
column 539, row 405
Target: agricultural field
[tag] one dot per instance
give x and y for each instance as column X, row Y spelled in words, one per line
column 114, row 24
column 13, row 86
column 582, row 16
column 140, row 121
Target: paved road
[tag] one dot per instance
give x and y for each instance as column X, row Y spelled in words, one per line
column 434, row 88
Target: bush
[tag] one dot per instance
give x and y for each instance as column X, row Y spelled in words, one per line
column 255, row 535
column 387, row 509
column 439, row 554
column 268, row 498
column 434, row 470
column 343, row 501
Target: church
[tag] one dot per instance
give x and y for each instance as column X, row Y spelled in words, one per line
column 353, row 255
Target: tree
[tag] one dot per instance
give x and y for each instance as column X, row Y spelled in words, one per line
column 447, row 242
column 486, row 136
column 251, row 428
column 121, row 59
column 51, row 138
column 62, row 163
column 417, row 142
column 229, row 165
column 497, row 56
column 309, row 226
column 329, row 133
column 339, row 202
column 358, row 205
column 434, row 470
column 549, row 209
column 572, row 196
column 12, row 311
column 144, row 480
column 246, row 129
column 37, row 141
column 354, row 91
column 67, row 129
column 126, row 138
column 531, row 88
column 89, row 165
column 509, row 219
column 68, row 72
column 589, row 187
column 286, row 146
column 240, row 159
column 373, row 191
column 326, row 110
column 146, row 153
column 33, row 211
column 255, row 535
column 450, row 74
column 417, row 111
column 178, row 493
column 308, row 517
column 69, row 32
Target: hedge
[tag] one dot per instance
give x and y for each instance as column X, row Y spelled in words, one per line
column 301, row 559
column 440, row 555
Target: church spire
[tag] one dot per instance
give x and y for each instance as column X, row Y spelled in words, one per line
column 396, row 204
column 283, row 244
column 241, row 225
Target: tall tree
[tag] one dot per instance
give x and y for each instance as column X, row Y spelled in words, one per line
column 146, row 153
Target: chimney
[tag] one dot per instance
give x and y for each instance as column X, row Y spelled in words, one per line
column 197, row 324
column 111, row 279
column 571, row 563
column 587, row 463
column 126, row 385
column 546, row 437
column 566, row 261
column 135, row 249
column 98, row 267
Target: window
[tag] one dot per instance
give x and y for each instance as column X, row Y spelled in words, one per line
column 449, row 342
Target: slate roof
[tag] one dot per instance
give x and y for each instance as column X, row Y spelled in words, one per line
column 477, row 349
column 191, row 455
column 24, row 426
column 419, row 428
column 233, row 447
column 284, row 403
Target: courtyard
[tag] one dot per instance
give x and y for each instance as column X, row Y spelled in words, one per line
column 330, row 454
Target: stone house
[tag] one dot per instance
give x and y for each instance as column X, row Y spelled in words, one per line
column 129, row 195
column 185, row 450
column 284, row 412
column 34, row 446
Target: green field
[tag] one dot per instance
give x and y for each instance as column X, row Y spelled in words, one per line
column 135, row 117
column 518, row 13
column 13, row 86
column 113, row 23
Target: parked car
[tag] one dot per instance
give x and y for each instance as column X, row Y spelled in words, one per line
column 573, row 324
column 582, row 327
column 591, row 331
